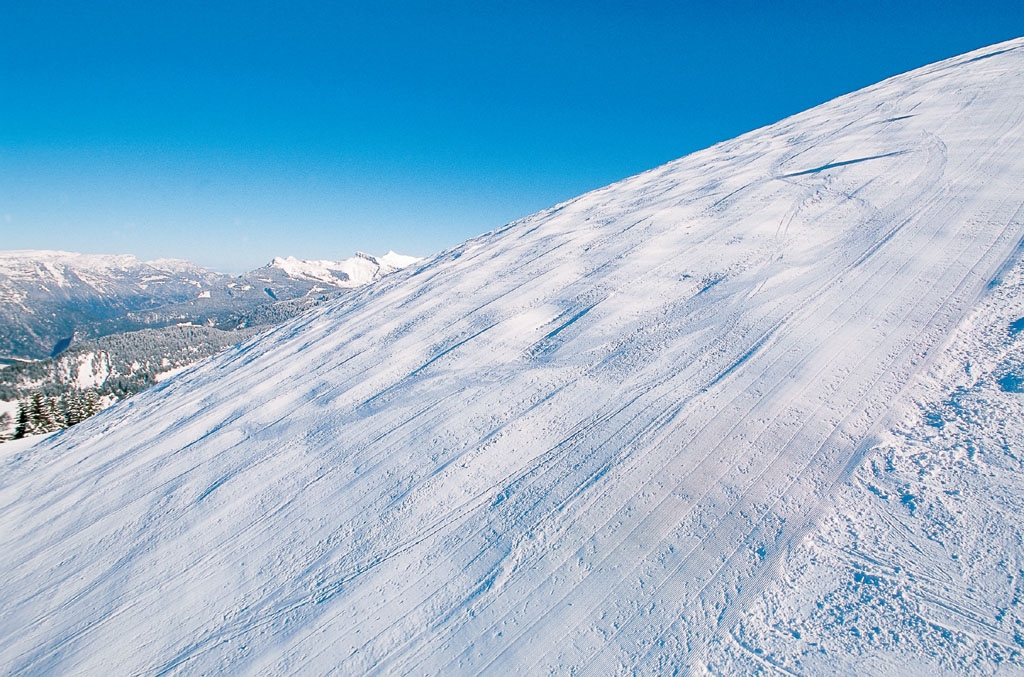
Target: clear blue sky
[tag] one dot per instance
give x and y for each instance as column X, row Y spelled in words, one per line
column 231, row 132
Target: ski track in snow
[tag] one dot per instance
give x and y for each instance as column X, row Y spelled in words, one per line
column 670, row 425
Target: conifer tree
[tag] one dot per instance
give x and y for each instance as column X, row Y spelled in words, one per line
column 22, row 427
column 90, row 404
column 36, row 422
column 72, row 408
column 51, row 418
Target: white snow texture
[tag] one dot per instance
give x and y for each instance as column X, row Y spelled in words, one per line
column 754, row 411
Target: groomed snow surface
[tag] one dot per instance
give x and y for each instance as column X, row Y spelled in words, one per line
column 756, row 410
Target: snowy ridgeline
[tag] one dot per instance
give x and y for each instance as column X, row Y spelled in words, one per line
column 354, row 272
column 754, row 411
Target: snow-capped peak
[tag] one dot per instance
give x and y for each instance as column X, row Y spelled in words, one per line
column 353, row 272
column 396, row 261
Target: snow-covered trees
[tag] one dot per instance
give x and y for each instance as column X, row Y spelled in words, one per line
column 43, row 414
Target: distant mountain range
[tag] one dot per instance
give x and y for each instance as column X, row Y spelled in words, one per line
column 113, row 325
column 50, row 300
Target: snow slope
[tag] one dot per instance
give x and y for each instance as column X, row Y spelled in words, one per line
column 685, row 422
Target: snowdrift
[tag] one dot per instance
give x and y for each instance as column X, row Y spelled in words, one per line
column 739, row 413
